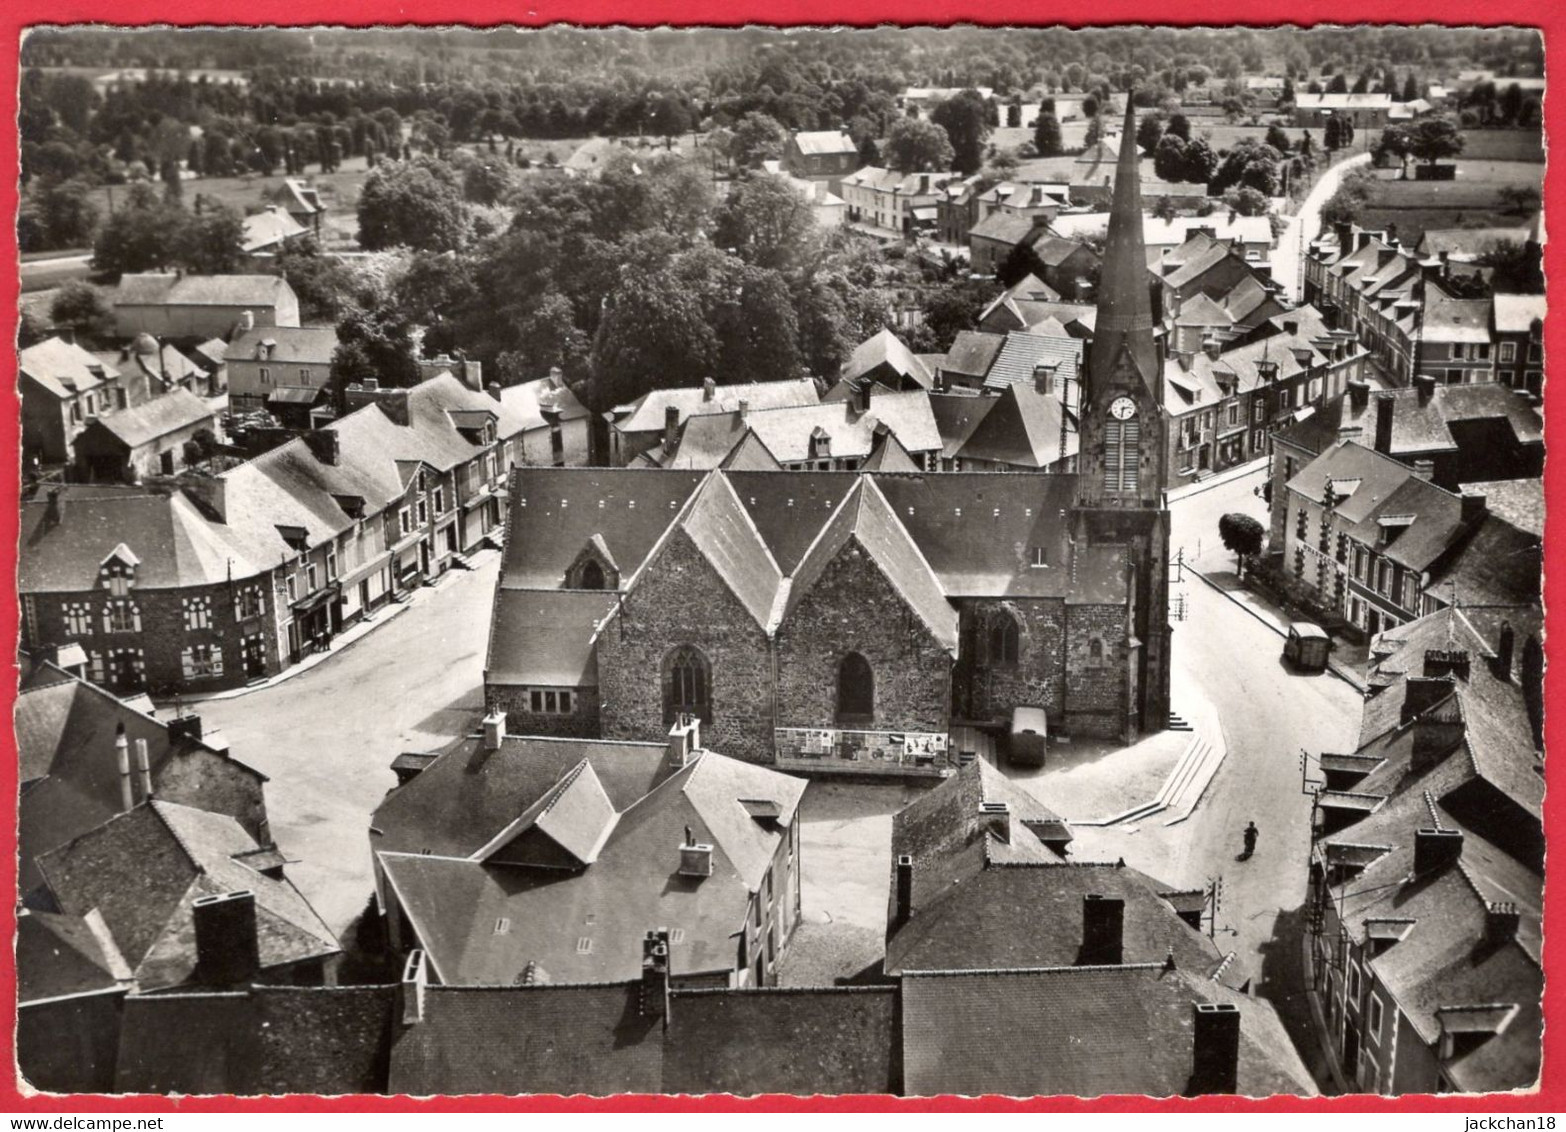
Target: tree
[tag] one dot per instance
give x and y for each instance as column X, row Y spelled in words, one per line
column 415, row 203
column 1278, row 139
column 1046, row 134
column 1180, row 126
column 1242, row 536
column 1200, row 161
column 766, row 221
column 212, row 243
column 1164, row 208
column 953, row 307
column 1518, row 198
column 918, row 147
column 1396, row 142
column 550, row 337
column 1246, row 201
column 1338, row 85
column 756, row 138
column 140, row 237
column 1518, row 268
column 1286, row 96
column 965, row 118
column 868, row 153
column 1169, row 159
column 65, row 212
column 1332, row 134
column 1353, row 193
column 1013, row 115
column 1094, row 133
column 1410, row 88
column 1433, row 138
column 374, row 344
column 82, row 307
column 1148, row 132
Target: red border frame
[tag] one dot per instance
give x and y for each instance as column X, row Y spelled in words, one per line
column 1549, row 18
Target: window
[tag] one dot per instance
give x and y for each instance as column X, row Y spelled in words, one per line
column 1003, row 639
column 198, row 612
column 424, row 512
column 405, row 521
column 1533, row 351
column 266, row 375
column 549, row 701
column 310, row 578
column 1121, row 450
column 201, row 661
column 293, row 588
column 97, row 668
column 1095, row 657
column 331, row 565
column 304, row 375
column 1299, row 523
column 1234, row 412
column 118, row 582
column 92, row 405
column 1359, row 564
column 1040, row 558
column 687, row 685
column 78, row 619
column 1258, row 410
column 1353, row 982
column 591, row 576
column 440, row 501
column 120, row 399
column 855, row 690
column 1483, row 351
column 1383, row 576
column 1299, row 561
column 76, row 412
column 247, row 603
column 121, row 617
column 1374, row 1018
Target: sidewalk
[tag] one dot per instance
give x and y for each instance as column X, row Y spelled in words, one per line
column 355, row 632
column 1268, row 614
column 1228, row 475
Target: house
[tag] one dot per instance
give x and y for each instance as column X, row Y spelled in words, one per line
column 158, row 368
column 302, row 202
column 957, row 209
column 267, row 232
column 1093, row 181
column 968, row 361
column 829, row 208
column 1363, row 533
column 222, row 579
column 1029, row 357
column 278, row 366
column 820, row 155
column 993, row 240
column 1069, row 267
column 174, row 305
column 1371, row 109
column 884, row 360
column 889, row 204
column 1519, row 342
column 988, row 918
column 1031, row 304
column 152, row 439
column 1425, row 883
column 189, row 897
column 1224, row 401
column 708, row 849
column 1025, row 428
column 657, row 417
column 82, row 751
column 1205, row 266
column 62, row 387
column 550, row 426
column 1464, row 433
column 926, row 98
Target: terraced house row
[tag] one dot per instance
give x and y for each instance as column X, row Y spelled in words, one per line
column 204, row 582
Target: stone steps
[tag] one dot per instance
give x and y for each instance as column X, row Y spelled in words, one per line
column 1178, row 777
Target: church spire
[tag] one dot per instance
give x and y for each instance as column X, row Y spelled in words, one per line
column 1125, row 310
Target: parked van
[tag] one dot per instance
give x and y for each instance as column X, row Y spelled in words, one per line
column 1307, row 646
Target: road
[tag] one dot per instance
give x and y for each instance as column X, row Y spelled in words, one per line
column 326, row 737
column 1288, row 258
column 42, row 274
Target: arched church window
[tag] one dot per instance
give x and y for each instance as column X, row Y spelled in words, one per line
column 687, row 685
column 855, row 691
column 1003, row 639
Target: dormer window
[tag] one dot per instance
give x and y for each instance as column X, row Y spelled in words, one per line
column 820, row 444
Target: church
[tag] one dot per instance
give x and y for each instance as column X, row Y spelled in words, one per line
column 856, row 621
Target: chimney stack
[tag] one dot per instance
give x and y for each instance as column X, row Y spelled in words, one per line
column 324, row 445
column 903, row 891
column 995, row 818
column 1501, row 922
column 414, row 982
column 1424, row 469
column 1435, row 849
column 671, row 428
column 1425, row 384
column 1505, row 646
column 1215, row 1053
column 394, row 403
column 1103, row 931
column 695, row 856
column 684, row 740
column 184, row 727
column 494, row 730
column 708, row 388
column 1386, row 408
column 1211, row 346
column 52, row 508
column 1359, row 392
column 1044, row 377
column 143, row 770
column 1473, row 507
column 1448, row 662
column 655, row 975
column 227, row 948
column 493, row 389
column 122, row 757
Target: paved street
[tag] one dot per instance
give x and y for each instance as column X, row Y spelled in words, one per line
column 1288, row 257
column 327, row 737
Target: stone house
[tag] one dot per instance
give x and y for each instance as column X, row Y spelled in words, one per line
column 275, row 366
column 657, row 417
column 62, row 387
column 1519, row 342
column 548, row 424
column 825, row 155
column 149, row 440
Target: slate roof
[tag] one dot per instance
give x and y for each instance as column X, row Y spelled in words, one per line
column 824, row 142
column 527, row 401
column 173, row 411
column 647, row 413
column 1498, row 562
column 455, row 904
column 544, row 637
column 1516, row 314
column 59, row 956
column 972, row 353
column 460, row 802
column 1197, row 382
column 1421, row 427
column 169, row 289
column 884, row 348
column 1004, row 228
column 888, row 455
column 1079, row 1031
column 1023, row 430
column 722, row 531
column 1024, row 351
column 268, row 229
column 63, row 368
column 306, row 345
column 65, row 733
column 958, row 416
column 143, row 869
column 1467, row 243
column 1448, row 319
column 787, row 432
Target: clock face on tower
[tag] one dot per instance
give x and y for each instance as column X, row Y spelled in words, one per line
column 1122, row 408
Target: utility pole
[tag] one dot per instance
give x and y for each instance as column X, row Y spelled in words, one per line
column 1213, row 897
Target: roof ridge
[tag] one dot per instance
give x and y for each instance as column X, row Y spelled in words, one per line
column 1062, row 970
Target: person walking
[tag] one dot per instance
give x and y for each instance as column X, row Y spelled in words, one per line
column 1250, row 835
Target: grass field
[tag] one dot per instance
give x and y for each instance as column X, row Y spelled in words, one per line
column 1503, row 145
column 1471, row 201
